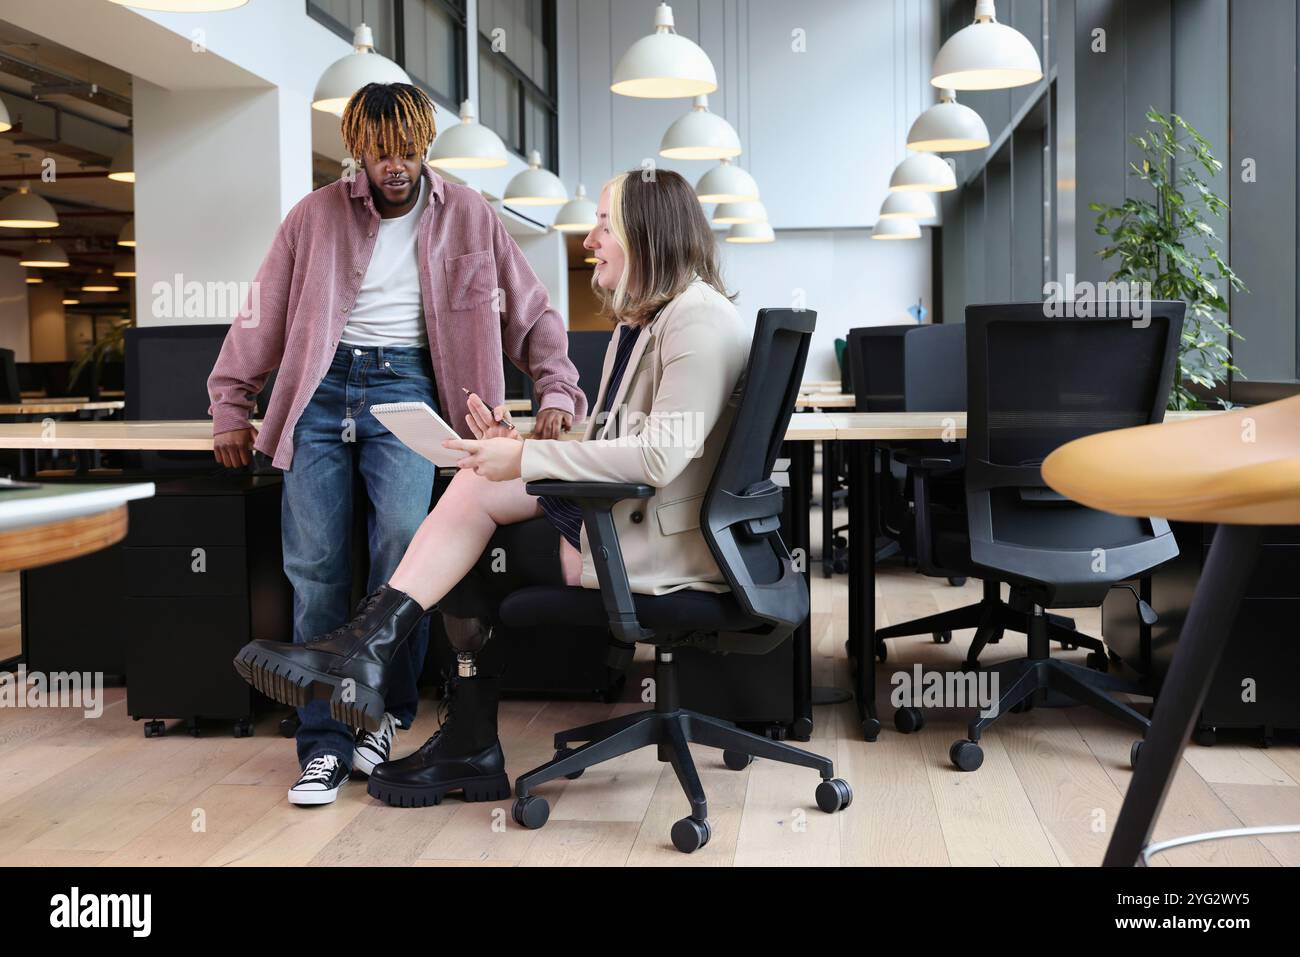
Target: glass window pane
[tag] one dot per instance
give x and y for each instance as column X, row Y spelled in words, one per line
column 433, row 38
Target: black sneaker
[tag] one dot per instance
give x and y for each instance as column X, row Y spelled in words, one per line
column 374, row 747
column 320, row 781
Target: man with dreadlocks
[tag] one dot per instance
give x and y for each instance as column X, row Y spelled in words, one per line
column 390, row 285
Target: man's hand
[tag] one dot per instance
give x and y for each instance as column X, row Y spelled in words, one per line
column 496, row 459
column 483, row 422
column 234, row 449
column 551, row 422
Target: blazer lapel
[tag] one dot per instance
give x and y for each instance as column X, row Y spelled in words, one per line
column 638, row 348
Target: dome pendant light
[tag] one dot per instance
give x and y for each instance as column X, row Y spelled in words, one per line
column 726, row 183
column 700, row 135
column 468, row 145
column 348, row 74
column 25, row 210
column 578, row 215
column 124, row 266
column 5, row 122
column 44, row 254
column 127, row 236
column 97, row 283
column 923, row 173
column 736, row 214
column 986, row 56
column 948, row 127
column 122, row 169
column 896, row 229
column 182, row 6
column 536, row 186
column 664, row 65
column 907, row 205
column 751, row 234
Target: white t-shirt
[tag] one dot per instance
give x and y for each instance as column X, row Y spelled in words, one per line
column 389, row 310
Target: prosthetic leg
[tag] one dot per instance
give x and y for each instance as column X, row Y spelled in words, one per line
column 464, row 754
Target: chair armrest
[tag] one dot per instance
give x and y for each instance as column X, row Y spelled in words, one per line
column 597, row 500
column 929, row 463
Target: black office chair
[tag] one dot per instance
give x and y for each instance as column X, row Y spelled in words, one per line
column 767, row 601
column 1035, row 383
column 10, row 391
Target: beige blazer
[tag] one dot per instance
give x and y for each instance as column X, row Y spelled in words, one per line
column 670, row 417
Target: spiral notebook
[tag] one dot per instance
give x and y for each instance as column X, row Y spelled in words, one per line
column 419, row 428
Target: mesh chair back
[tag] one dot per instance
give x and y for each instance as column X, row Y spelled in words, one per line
column 934, row 369
column 876, row 356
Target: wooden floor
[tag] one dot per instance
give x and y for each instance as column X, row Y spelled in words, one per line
column 85, row 792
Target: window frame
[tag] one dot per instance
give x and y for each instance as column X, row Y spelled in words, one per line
column 528, row 89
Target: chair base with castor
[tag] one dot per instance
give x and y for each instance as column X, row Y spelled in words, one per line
column 671, row 730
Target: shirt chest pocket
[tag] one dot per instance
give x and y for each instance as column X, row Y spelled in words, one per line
column 471, row 282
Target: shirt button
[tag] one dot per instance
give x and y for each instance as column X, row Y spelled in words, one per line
column 345, row 310
column 371, row 233
column 636, row 518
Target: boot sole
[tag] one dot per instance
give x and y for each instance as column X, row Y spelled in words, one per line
column 291, row 683
column 495, row 787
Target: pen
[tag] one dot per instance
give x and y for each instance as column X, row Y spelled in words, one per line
column 499, row 421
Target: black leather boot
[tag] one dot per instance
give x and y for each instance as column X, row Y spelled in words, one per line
column 350, row 663
column 464, row 755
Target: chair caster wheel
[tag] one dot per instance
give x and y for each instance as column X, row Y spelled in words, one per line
column 689, row 835
column 154, row 729
column 289, row 726
column 1205, row 737
column 942, row 637
column 737, row 760
column 1133, row 753
column 834, row 795
column 564, row 753
column 195, row 732
column 957, row 582
column 909, row 720
column 870, row 729
column 882, row 651
column 531, row 812
column 1098, row 661
column 243, row 728
column 966, row 755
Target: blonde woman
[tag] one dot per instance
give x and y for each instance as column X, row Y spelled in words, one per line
column 668, row 392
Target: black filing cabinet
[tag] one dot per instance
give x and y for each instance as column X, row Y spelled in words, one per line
column 1257, row 683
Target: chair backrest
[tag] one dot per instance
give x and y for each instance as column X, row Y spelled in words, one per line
column 934, row 369
column 587, row 353
column 876, row 358
column 9, row 388
column 1036, row 382
column 740, row 517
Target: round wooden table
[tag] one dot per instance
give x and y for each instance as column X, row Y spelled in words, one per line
column 61, row 539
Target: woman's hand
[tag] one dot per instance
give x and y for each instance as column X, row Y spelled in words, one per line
column 488, row 423
column 496, row 459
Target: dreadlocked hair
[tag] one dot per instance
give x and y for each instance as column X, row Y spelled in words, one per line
column 388, row 118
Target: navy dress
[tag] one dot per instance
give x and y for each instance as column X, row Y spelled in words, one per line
column 565, row 514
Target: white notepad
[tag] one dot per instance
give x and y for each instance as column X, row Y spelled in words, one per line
column 419, row 428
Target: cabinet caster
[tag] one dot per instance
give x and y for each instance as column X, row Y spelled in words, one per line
column 737, row 760
column 243, row 728
column 942, row 637
column 1133, row 753
column 154, row 729
column 909, row 720
column 870, row 729
column 966, row 755
column 834, row 795
column 564, row 753
column 289, row 726
column 1205, row 737
column 531, row 812
column 689, row 835
column 1098, row 661
column 957, row 582
column 193, row 728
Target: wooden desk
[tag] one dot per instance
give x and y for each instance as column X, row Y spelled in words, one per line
column 50, row 524
column 58, row 407
column 825, row 400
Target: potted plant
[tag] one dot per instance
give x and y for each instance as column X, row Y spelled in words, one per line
column 1166, row 239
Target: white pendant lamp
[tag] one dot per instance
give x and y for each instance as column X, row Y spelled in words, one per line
column 122, row 169
column 735, row 214
column 986, row 55
column 124, row 266
column 25, row 210
column 906, row 205
column 34, row 280
column 348, row 74
column 726, row 183
column 468, row 145
column 45, row 254
column 127, row 236
column 5, row 122
column 922, row 172
column 751, row 233
column 948, row 127
column 578, row 215
column 536, row 186
column 664, row 65
column 182, row 6
column 71, row 301
column 700, row 135
column 896, row 229
column 100, row 283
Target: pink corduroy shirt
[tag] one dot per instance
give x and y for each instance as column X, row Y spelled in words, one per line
column 481, row 298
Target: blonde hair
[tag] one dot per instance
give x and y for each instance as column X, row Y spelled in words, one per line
column 666, row 240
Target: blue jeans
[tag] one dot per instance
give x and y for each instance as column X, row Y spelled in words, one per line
column 336, row 437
